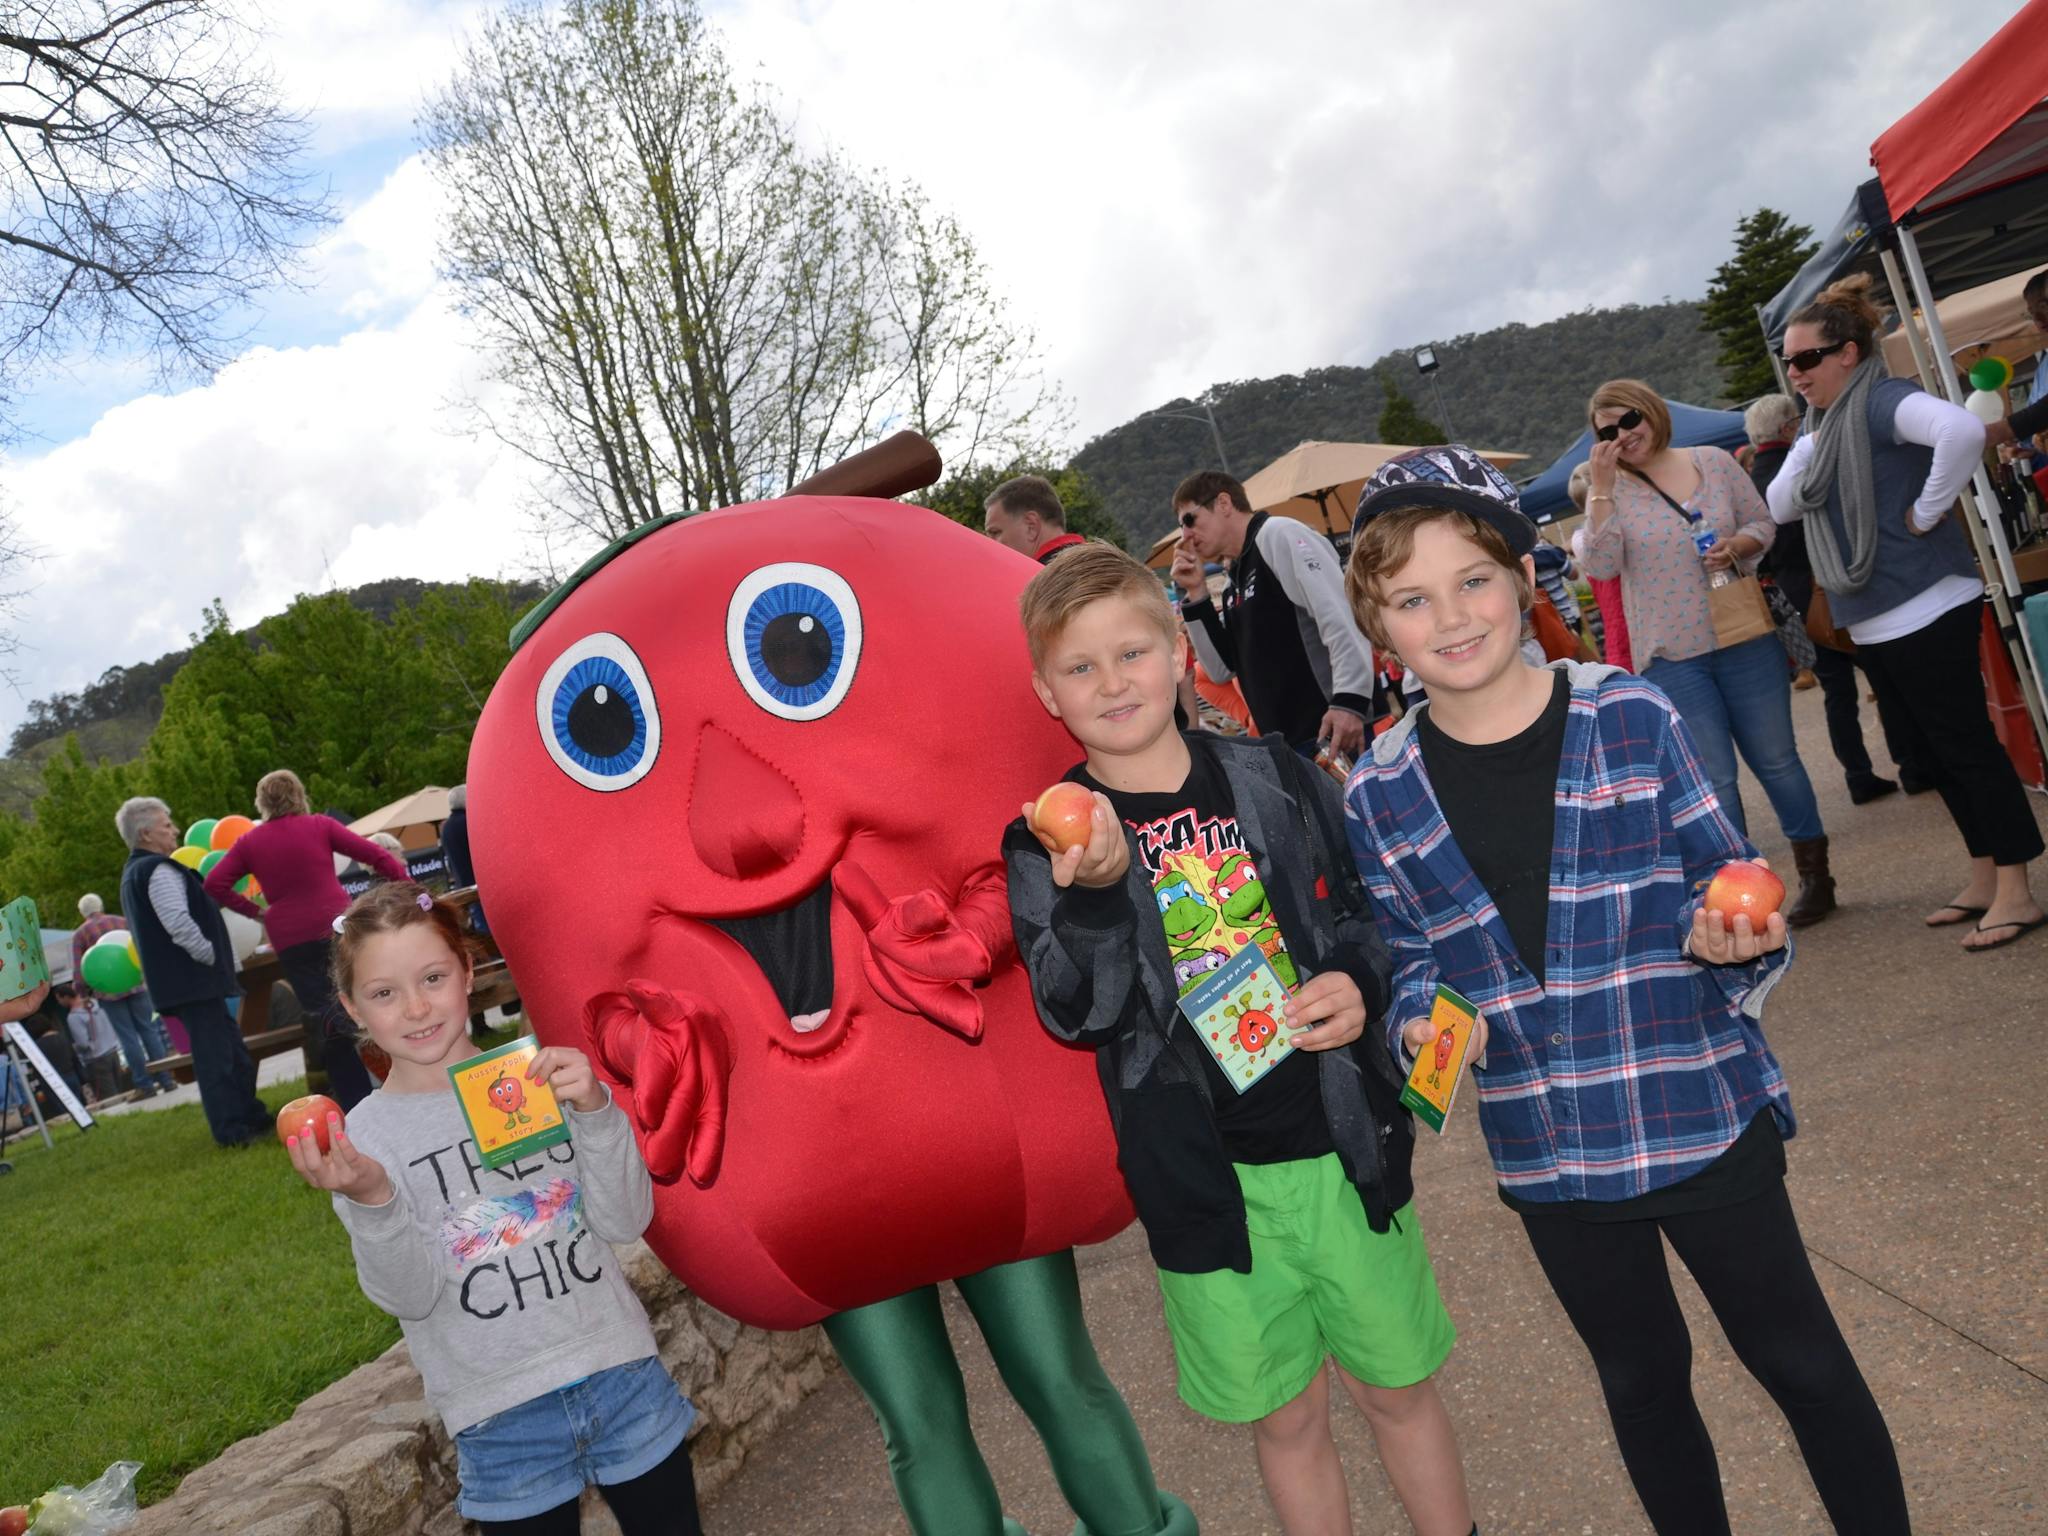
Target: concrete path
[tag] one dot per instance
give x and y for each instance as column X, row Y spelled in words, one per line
column 1919, row 1175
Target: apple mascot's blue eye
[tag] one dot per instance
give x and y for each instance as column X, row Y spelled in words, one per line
column 596, row 713
column 793, row 633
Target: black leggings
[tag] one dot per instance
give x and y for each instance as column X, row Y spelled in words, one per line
column 662, row 1502
column 1753, row 1270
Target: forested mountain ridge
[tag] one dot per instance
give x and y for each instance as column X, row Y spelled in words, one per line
column 1521, row 388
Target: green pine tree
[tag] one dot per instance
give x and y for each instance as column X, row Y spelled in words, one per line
column 1402, row 423
column 1769, row 249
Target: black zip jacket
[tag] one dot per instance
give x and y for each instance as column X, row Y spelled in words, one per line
column 1102, row 977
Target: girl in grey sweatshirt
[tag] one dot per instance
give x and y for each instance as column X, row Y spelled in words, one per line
column 532, row 1347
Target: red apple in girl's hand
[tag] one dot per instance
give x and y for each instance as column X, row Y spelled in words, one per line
column 1747, row 888
column 1063, row 816
column 13, row 1520
column 307, row 1117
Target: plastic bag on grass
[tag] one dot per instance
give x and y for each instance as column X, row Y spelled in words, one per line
column 101, row 1507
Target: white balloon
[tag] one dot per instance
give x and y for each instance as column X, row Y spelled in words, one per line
column 244, row 934
column 1985, row 405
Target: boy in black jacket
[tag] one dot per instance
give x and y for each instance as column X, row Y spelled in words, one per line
column 1278, row 1213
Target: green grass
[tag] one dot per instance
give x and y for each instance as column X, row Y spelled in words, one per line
column 161, row 1298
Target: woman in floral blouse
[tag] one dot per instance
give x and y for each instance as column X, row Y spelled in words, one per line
column 1646, row 504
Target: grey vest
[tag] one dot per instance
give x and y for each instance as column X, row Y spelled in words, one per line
column 1907, row 563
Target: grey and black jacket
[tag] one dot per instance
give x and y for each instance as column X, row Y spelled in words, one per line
column 1102, row 977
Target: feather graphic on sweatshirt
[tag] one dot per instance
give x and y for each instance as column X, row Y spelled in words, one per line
column 492, row 1225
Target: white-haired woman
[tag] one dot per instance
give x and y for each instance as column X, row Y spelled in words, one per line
column 189, row 967
column 291, row 854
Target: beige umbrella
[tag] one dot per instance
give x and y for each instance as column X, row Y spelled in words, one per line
column 1978, row 322
column 415, row 820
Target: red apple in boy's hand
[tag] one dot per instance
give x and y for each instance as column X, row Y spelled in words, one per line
column 1063, row 816
column 1747, row 888
column 307, row 1117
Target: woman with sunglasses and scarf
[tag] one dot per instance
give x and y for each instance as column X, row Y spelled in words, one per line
column 1873, row 478
column 1649, row 510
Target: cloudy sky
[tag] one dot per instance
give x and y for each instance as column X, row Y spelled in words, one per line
column 1171, row 194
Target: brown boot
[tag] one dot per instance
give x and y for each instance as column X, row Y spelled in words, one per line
column 1816, row 898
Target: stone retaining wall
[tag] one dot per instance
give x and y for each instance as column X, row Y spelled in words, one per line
column 367, row 1457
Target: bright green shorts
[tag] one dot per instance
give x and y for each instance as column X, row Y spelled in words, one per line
column 1322, row 1283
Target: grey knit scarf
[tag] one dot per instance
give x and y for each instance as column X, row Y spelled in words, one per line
column 1841, row 461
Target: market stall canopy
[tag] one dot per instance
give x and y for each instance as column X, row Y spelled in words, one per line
column 1692, row 426
column 415, row 821
column 1851, row 246
column 1982, row 129
column 1987, row 320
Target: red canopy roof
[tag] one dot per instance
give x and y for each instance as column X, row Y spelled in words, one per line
column 1986, row 125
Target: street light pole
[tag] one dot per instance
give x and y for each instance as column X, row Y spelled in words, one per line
column 1426, row 364
column 1222, row 459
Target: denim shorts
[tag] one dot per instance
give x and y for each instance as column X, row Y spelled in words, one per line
column 609, row 1428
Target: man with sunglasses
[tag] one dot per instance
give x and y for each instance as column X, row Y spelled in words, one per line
column 1284, row 628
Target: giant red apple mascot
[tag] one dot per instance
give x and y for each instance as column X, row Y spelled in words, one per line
column 735, row 807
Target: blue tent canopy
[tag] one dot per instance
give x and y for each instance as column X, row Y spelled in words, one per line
column 1692, row 426
column 1853, row 244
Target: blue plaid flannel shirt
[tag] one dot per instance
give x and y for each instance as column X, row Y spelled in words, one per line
column 1631, row 1067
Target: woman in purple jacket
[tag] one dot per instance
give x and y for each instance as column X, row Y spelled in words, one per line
column 291, row 854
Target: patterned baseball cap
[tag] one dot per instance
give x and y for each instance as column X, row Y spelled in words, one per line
column 1448, row 476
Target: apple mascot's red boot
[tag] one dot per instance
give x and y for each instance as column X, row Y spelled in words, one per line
column 735, row 807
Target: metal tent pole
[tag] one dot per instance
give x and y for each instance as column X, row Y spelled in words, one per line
column 2005, row 588
column 1771, row 351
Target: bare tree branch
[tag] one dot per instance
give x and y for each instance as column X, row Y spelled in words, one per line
column 689, row 308
column 147, row 181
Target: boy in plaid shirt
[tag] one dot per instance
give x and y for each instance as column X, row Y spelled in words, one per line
column 1539, row 839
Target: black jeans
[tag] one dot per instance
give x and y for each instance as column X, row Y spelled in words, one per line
column 1753, row 1270
column 1935, row 686
column 305, row 967
column 225, row 1071
column 658, row 1503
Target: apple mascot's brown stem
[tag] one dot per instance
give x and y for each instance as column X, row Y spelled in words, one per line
column 895, row 466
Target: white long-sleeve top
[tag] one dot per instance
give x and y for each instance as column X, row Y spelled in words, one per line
column 1957, row 439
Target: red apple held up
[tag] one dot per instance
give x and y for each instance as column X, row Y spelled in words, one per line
column 1063, row 815
column 13, row 1520
column 307, row 1117
column 1747, row 888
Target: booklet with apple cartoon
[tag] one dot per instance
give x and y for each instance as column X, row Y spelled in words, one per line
column 508, row 1116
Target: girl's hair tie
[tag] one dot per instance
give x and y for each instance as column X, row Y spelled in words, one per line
column 426, row 901
column 340, row 921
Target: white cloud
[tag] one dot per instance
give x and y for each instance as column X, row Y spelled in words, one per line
column 380, row 260
column 293, row 471
column 361, row 70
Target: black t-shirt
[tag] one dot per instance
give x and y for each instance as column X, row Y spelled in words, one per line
column 1499, row 799
column 1211, row 903
column 1750, row 1166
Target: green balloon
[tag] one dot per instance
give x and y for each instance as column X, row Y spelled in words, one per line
column 200, row 834
column 206, row 864
column 108, row 969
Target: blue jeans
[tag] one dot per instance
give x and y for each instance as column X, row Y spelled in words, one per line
column 1741, row 698
column 142, row 1037
column 611, row 1427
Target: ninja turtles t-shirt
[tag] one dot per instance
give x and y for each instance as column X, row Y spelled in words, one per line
column 1211, row 903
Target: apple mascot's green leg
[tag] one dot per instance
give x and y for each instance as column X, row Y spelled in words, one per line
column 1030, row 1314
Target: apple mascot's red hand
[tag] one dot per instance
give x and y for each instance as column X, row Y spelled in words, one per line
column 925, row 954
column 671, row 1050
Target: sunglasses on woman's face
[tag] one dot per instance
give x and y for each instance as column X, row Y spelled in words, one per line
column 1627, row 421
column 1809, row 360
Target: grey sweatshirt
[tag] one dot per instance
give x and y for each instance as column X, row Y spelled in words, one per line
column 501, row 1281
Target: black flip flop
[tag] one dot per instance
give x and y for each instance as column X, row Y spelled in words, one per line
column 1953, row 922
column 2020, row 931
